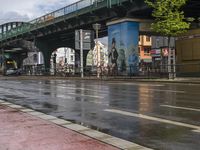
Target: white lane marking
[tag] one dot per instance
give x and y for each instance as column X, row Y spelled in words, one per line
column 153, row 118
column 196, row 131
column 85, row 89
column 172, row 91
column 184, row 108
column 140, row 84
column 74, row 94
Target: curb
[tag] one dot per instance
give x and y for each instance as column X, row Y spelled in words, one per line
column 176, row 81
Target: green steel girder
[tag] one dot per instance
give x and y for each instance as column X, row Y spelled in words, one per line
column 29, row 27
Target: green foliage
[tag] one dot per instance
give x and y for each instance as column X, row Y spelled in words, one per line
column 169, row 19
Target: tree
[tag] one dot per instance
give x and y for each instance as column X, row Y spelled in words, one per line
column 169, row 18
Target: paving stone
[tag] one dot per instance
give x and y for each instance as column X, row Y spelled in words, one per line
column 47, row 117
column 76, row 127
column 26, row 110
column 16, row 106
column 96, row 134
column 60, row 121
column 123, row 144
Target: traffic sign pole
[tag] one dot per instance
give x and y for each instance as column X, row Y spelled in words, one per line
column 81, row 52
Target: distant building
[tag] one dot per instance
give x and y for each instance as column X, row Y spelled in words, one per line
column 144, row 48
column 64, row 57
column 92, row 55
column 162, row 41
column 34, row 59
column 34, row 63
column 188, row 53
column 160, row 53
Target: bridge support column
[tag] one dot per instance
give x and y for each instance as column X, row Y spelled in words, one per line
column 78, row 62
column 47, row 50
column 123, row 38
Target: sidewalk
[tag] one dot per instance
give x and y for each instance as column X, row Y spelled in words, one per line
column 20, row 131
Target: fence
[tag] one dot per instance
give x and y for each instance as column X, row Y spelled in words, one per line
column 145, row 71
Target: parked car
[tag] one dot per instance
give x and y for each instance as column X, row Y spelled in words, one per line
column 13, row 71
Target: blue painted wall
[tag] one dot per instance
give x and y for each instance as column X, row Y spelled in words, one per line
column 126, row 35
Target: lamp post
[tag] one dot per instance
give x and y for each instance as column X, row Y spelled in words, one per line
column 97, row 27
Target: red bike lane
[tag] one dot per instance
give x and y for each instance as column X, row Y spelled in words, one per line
column 21, row 131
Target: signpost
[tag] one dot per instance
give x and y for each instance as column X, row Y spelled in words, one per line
column 83, row 41
column 81, row 52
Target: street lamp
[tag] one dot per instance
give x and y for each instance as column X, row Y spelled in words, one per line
column 97, row 27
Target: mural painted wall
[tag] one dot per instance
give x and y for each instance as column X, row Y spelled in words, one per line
column 123, row 47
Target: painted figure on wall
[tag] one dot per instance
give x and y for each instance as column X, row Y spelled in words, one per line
column 133, row 62
column 124, row 37
column 113, row 55
column 122, row 61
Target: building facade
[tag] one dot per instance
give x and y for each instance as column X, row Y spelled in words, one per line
column 188, row 53
column 65, row 57
column 93, row 54
column 144, row 49
column 162, row 41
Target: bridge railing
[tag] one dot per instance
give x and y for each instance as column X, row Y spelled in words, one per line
column 49, row 17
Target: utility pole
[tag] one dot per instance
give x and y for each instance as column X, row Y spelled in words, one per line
column 81, row 52
column 174, row 63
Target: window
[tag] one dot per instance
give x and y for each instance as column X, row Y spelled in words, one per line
column 157, row 43
column 9, row 27
column 147, row 51
column 14, row 25
column 148, row 38
column 72, row 58
column 4, row 28
column 138, row 50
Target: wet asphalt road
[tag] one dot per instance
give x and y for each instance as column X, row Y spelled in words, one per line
column 113, row 108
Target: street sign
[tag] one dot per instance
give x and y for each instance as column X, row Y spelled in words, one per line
column 88, row 39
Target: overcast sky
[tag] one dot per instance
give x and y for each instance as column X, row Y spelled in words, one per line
column 25, row 10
